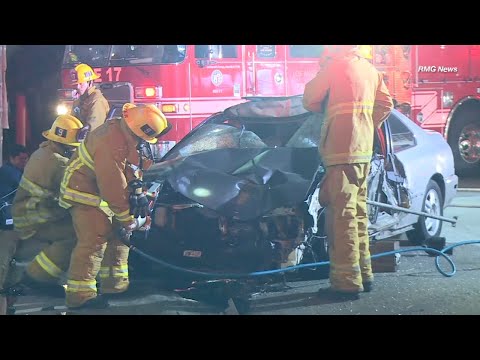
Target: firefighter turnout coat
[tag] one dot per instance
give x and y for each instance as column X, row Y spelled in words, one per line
column 36, row 201
column 356, row 104
column 91, row 108
column 99, row 172
column 45, row 229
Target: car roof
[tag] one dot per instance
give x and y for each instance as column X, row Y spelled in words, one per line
column 271, row 106
column 277, row 107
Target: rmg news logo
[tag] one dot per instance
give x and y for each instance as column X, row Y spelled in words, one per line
column 435, row 69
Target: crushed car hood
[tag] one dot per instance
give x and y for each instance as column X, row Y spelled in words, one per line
column 241, row 183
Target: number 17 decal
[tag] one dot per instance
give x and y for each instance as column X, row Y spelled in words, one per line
column 110, row 74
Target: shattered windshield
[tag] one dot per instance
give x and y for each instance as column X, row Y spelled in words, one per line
column 217, row 136
column 296, row 132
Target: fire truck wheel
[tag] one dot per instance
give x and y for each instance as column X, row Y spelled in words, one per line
column 463, row 137
column 426, row 228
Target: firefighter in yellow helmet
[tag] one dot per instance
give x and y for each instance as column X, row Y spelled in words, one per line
column 91, row 107
column 102, row 169
column 44, row 230
column 356, row 101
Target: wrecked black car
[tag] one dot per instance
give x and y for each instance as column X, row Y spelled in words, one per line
column 238, row 194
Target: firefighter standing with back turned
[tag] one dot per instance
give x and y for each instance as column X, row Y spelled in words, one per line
column 107, row 162
column 44, row 230
column 91, row 107
column 356, row 101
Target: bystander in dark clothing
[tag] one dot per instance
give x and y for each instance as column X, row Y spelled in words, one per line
column 11, row 172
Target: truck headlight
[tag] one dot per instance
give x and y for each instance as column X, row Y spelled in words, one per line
column 62, row 109
column 447, row 99
column 420, row 118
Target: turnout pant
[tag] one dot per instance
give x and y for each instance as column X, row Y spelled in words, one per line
column 343, row 192
column 100, row 252
column 8, row 244
column 45, row 256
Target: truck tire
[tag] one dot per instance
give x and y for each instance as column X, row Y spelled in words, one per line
column 426, row 228
column 463, row 133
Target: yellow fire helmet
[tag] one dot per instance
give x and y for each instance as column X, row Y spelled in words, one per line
column 146, row 121
column 83, row 73
column 64, row 130
column 365, row 51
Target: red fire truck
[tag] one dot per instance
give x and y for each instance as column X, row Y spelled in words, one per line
column 438, row 86
column 191, row 82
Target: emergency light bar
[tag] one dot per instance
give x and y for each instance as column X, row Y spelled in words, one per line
column 169, row 108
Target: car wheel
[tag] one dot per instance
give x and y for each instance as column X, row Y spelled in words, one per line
column 463, row 139
column 427, row 227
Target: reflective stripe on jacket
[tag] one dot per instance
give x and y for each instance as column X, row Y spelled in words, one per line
column 356, row 101
column 91, row 108
column 36, row 199
column 98, row 170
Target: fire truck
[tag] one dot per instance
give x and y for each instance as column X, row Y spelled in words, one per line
column 437, row 86
column 190, row 82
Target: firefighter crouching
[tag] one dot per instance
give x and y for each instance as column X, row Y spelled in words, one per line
column 90, row 107
column 43, row 231
column 101, row 170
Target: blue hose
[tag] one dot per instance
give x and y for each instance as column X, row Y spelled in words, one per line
column 438, row 254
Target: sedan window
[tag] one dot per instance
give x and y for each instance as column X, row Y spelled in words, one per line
column 402, row 137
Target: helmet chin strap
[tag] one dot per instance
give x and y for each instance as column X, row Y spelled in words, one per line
column 66, row 150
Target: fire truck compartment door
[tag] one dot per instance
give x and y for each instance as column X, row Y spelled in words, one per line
column 218, row 71
column 117, row 93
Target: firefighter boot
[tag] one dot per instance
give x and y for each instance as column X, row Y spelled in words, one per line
column 367, row 286
column 134, row 289
column 49, row 289
column 336, row 295
column 98, row 302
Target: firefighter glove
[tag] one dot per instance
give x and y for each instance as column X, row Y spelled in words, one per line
column 146, row 225
column 139, row 205
column 124, row 234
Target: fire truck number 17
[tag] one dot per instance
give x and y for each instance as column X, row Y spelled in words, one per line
column 109, row 74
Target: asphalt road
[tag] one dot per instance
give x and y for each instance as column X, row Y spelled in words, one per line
column 416, row 288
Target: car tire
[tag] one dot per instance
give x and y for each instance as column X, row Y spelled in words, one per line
column 427, row 228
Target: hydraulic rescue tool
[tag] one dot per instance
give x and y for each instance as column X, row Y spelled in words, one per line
column 453, row 221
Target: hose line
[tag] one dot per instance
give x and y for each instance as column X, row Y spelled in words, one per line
column 439, row 254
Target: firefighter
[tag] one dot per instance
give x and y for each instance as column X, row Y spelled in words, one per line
column 106, row 163
column 43, row 231
column 90, row 107
column 356, row 101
